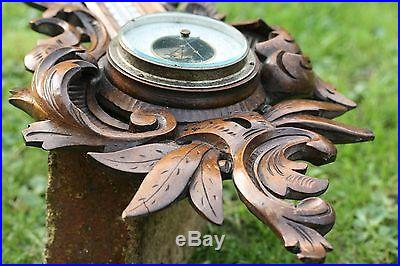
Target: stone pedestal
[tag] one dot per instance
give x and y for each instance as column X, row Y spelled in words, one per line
column 84, row 205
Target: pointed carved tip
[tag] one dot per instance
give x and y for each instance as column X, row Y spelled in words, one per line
column 22, row 99
column 98, row 156
column 325, row 147
column 372, row 137
column 219, row 220
column 94, row 155
column 362, row 135
column 315, row 257
column 132, row 212
column 310, row 259
column 327, row 92
column 124, row 215
column 350, row 104
column 129, row 214
column 18, row 94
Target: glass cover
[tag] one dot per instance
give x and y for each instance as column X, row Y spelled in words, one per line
column 183, row 49
column 182, row 40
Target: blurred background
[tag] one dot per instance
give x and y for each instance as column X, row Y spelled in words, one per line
column 352, row 45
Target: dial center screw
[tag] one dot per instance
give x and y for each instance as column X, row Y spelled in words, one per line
column 185, row 33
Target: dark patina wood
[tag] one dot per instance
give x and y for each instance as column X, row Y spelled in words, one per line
column 258, row 131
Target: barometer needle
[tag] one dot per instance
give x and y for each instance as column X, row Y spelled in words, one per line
column 194, row 50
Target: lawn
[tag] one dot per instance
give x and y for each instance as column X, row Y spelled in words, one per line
column 352, row 45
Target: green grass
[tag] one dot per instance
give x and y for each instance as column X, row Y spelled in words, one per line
column 352, row 45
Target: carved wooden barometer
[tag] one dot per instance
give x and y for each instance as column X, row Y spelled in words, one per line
column 190, row 101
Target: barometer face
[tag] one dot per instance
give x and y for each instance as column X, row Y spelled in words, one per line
column 185, row 41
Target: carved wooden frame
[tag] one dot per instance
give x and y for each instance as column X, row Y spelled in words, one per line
column 259, row 149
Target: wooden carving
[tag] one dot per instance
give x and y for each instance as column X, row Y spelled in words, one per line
column 260, row 135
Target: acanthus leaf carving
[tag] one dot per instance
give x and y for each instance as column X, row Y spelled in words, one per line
column 206, row 188
column 139, row 159
column 68, row 26
column 338, row 133
column 77, row 105
column 286, row 71
column 62, row 90
column 278, row 39
column 49, row 136
column 306, row 107
column 167, row 180
column 327, row 92
column 301, row 226
column 316, row 116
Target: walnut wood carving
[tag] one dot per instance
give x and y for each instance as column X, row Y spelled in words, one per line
column 188, row 152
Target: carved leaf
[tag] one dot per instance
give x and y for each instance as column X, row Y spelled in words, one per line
column 140, row 159
column 301, row 226
column 22, row 98
column 201, row 8
column 312, row 115
column 326, row 92
column 64, row 35
column 37, row 55
column 68, row 25
column 304, row 228
column 254, row 31
column 167, row 180
column 282, row 176
column 287, row 75
column 206, row 188
column 63, row 90
column 278, row 39
column 335, row 131
column 56, row 90
column 310, row 107
column 48, row 136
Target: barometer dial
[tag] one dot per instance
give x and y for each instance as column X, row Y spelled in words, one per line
column 185, row 41
column 166, row 57
column 183, row 48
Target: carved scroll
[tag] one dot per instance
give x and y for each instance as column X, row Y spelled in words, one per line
column 263, row 169
column 286, row 71
column 68, row 25
column 260, row 156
